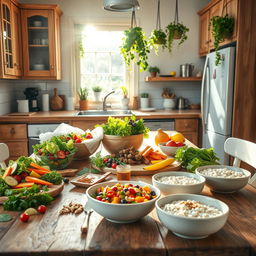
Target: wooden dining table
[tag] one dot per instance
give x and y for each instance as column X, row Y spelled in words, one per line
column 60, row 235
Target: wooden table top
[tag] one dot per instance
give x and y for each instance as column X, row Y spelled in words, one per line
column 51, row 234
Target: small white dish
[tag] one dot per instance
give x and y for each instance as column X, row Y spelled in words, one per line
column 168, row 150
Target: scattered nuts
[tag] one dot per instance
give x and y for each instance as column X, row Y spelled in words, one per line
column 71, row 208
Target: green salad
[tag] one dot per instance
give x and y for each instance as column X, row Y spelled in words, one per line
column 124, row 127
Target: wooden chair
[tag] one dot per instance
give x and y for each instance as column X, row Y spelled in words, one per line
column 4, row 154
column 242, row 150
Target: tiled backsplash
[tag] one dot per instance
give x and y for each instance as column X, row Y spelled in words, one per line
column 7, row 97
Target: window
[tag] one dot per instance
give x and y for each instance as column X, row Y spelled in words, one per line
column 101, row 63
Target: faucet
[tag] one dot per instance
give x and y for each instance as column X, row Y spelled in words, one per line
column 104, row 106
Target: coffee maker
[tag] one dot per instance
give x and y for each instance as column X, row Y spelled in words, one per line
column 31, row 95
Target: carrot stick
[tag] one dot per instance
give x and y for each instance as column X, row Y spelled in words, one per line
column 146, row 148
column 38, row 167
column 24, row 185
column 38, row 181
column 7, row 172
column 147, row 152
column 155, row 156
column 39, row 171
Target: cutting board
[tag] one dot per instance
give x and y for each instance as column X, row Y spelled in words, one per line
column 68, row 172
column 22, row 114
column 138, row 169
column 53, row 191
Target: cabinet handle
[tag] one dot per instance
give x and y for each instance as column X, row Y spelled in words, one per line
column 12, row 131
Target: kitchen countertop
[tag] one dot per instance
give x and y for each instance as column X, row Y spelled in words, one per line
column 61, row 116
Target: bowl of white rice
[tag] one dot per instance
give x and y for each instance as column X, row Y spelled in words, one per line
column 224, row 178
column 178, row 182
column 192, row 216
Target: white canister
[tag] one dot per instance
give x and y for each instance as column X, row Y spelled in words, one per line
column 45, row 102
column 23, row 106
column 169, row 104
column 70, row 103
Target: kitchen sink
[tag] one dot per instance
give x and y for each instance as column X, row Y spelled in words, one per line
column 105, row 113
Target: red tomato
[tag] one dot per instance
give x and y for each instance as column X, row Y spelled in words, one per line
column 132, row 191
column 180, row 144
column 41, row 208
column 171, row 143
column 68, row 138
column 88, row 136
column 110, row 194
column 18, row 178
column 114, row 165
column 99, row 198
column 61, row 154
column 78, row 141
column 105, row 160
column 114, row 188
column 24, row 217
column 67, row 153
column 23, row 175
column 75, row 137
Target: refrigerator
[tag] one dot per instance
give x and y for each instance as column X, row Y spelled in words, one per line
column 217, row 101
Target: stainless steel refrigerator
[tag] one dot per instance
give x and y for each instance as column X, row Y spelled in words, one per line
column 217, row 101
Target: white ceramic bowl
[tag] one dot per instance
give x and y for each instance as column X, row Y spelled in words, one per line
column 169, row 151
column 38, row 66
column 192, row 228
column 121, row 213
column 167, row 189
column 224, row 185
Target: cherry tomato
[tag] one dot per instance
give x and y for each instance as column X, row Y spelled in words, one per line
column 41, row 208
column 105, row 160
column 68, row 138
column 88, row 136
column 75, row 137
column 67, row 153
column 114, row 165
column 61, row 154
column 171, row 143
column 18, row 178
column 114, row 188
column 78, row 141
column 24, row 217
column 132, row 191
column 99, row 198
column 110, row 194
column 147, row 196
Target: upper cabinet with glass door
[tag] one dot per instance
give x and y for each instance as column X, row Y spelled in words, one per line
column 41, row 42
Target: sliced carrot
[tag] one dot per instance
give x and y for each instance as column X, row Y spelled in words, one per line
column 24, row 185
column 38, row 167
column 7, row 172
column 146, row 148
column 155, row 156
column 38, row 181
column 41, row 172
column 148, row 151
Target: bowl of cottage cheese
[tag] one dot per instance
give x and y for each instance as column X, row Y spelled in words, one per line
column 192, row 216
column 224, row 178
column 178, row 182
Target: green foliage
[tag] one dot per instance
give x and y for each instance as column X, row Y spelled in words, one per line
column 125, row 127
column 83, row 93
column 28, row 198
column 158, row 38
column 154, row 69
column 176, row 31
column 53, row 177
column 222, row 28
column 124, row 91
column 23, row 163
column 191, row 158
column 97, row 88
column 3, row 187
column 135, row 47
column 144, row 95
column 88, row 170
column 97, row 160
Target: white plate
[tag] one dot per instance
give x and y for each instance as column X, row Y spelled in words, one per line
column 147, row 109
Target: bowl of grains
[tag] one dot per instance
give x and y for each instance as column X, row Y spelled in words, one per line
column 223, row 178
column 192, row 216
column 178, row 182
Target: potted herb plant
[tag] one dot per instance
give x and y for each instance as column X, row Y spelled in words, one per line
column 125, row 99
column 222, row 28
column 153, row 71
column 144, row 100
column 83, row 102
column 97, row 92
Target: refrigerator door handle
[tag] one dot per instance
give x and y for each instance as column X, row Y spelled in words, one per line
column 202, row 93
column 208, row 79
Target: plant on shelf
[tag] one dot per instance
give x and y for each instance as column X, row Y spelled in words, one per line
column 153, row 71
column 144, row 95
column 158, row 36
column 83, row 102
column 97, row 92
column 134, row 46
column 222, row 27
column 176, row 31
column 125, row 99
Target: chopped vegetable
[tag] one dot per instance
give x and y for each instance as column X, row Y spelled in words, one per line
column 24, row 185
column 34, row 165
column 3, row 187
column 191, row 158
column 159, row 165
column 34, row 174
column 11, row 181
column 23, row 163
column 38, row 171
column 38, row 181
column 53, row 177
column 31, row 211
column 5, row 217
column 7, row 172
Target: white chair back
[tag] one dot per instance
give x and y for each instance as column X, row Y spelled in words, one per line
column 242, row 150
column 4, row 154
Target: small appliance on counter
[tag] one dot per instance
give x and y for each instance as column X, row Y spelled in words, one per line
column 182, row 103
column 186, row 70
column 31, row 95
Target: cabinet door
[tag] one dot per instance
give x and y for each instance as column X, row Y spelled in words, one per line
column 38, row 43
column 7, row 38
column 204, row 34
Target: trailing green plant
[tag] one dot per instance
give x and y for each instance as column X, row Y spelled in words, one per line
column 153, row 69
column 83, row 93
column 124, row 91
column 144, row 95
column 135, row 47
column 222, row 28
column 176, row 31
column 158, row 38
column 97, row 88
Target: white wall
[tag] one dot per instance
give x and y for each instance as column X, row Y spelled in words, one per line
column 6, row 97
column 92, row 10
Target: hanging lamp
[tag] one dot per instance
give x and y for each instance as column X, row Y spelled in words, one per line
column 121, row 5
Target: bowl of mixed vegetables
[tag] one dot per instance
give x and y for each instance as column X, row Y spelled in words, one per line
column 55, row 153
column 122, row 201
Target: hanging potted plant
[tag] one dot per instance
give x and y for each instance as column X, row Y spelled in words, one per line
column 158, row 36
column 83, row 102
column 176, row 30
column 135, row 46
column 222, row 28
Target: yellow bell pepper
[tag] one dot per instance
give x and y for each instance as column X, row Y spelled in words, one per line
column 159, row 165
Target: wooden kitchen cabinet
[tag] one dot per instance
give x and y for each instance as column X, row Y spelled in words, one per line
column 10, row 66
column 189, row 128
column 204, row 33
column 41, row 41
column 15, row 136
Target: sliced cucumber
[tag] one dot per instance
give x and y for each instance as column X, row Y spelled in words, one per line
column 31, row 211
column 9, row 180
column 5, row 217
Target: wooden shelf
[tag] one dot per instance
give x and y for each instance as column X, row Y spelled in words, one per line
column 38, row 45
column 173, row 79
column 36, row 28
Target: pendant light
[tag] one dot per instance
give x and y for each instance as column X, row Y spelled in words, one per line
column 121, row 5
